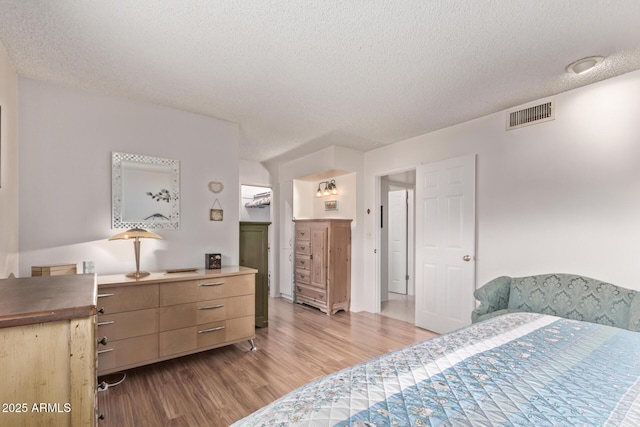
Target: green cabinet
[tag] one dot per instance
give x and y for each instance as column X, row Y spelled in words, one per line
column 254, row 253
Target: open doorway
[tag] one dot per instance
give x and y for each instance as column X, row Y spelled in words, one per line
column 256, row 236
column 397, row 287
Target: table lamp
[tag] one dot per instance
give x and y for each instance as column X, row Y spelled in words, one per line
column 136, row 234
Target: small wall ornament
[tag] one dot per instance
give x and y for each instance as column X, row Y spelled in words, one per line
column 216, row 187
column 215, row 214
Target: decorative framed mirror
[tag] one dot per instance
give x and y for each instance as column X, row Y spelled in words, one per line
column 145, row 191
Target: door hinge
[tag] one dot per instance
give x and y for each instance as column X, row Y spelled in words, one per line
column 407, row 277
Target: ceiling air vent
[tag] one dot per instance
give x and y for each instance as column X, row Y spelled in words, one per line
column 532, row 115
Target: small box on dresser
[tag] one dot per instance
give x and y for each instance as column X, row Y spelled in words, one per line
column 213, row 261
column 53, row 270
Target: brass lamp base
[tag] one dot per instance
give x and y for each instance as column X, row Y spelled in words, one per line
column 137, row 274
column 136, row 234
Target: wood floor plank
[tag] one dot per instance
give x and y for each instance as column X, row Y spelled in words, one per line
column 220, row 386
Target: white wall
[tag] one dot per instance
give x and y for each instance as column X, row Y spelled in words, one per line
column 328, row 159
column 254, row 173
column 66, row 137
column 303, row 195
column 561, row 196
column 307, row 205
column 8, row 167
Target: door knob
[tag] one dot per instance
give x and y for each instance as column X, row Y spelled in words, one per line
column 466, row 258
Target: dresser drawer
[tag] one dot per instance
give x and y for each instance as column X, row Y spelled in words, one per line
column 241, row 328
column 128, row 324
column 313, row 293
column 303, row 232
column 240, row 285
column 191, row 291
column 241, row 306
column 185, row 315
column 303, row 248
column 211, row 334
column 302, row 276
column 207, row 289
column 177, row 341
column 303, row 262
column 188, row 339
column 127, row 298
column 177, row 316
column 131, row 351
column 211, row 311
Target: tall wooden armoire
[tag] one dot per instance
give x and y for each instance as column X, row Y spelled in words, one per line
column 323, row 264
column 254, row 253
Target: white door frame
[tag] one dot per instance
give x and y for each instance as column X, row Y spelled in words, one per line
column 378, row 234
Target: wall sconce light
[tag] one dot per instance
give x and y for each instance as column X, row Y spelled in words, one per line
column 329, row 189
column 136, row 234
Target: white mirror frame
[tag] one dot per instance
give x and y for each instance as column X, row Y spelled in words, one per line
column 140, row 187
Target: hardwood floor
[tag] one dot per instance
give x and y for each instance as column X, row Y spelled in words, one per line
column 218, row 387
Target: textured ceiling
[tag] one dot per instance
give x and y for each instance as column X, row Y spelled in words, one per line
column 301, row 75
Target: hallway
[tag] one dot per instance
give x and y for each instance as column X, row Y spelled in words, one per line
column 400, row 307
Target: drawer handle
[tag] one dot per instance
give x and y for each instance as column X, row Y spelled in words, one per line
column 210, row 307
column 302, row 248
column 105, row 295
column 107, row 350
column 211, row 284
column 101, row 310
column 106, row 323
column 204, row 331
column 103, row 341
column 321, row 296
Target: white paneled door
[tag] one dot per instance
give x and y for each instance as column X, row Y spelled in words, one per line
column 285, row 282
column 398, row 241
column 445, row 244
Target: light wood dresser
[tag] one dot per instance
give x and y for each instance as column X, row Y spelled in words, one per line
column 323, row 263
column 167, row 315
column 48, row 351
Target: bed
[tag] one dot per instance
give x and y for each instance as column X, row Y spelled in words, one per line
column 513, row 370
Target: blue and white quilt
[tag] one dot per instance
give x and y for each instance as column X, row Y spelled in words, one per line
column 520, row 369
